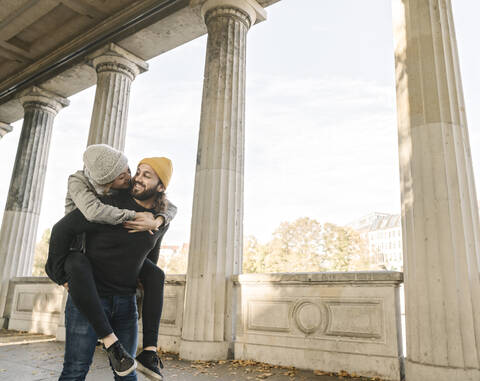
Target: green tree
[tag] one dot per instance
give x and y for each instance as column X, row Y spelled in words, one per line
column 254, row 254
column 344, row 248
column 177, row 263
column 305, row 245
column 41, row 254
column 297, row 246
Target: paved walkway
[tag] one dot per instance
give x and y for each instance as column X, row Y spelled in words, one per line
column 42, row 361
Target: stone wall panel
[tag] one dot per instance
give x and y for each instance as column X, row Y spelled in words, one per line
column 330, row 322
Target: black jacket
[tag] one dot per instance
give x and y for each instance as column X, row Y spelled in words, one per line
column 115, row 254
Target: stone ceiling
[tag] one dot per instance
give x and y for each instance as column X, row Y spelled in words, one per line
column 30, row 29
column 47, row 42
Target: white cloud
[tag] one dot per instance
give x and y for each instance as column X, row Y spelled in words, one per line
column 319, row 147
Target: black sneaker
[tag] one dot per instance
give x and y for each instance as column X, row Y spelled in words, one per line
column 149, row 363
column 122, row 362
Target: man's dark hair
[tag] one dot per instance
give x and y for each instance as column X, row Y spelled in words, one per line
column 161, row 203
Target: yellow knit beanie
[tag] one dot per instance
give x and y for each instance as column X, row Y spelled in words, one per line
column 162, row 167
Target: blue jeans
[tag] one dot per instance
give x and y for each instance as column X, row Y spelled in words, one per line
column 81, row 338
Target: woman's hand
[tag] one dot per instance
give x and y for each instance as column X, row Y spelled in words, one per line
column 144, row 221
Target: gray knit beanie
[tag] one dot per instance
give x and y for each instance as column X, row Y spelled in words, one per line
column 104, row 163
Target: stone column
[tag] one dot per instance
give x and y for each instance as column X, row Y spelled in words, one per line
column 217, row 221
column 116, row 69
column 440, row 219
column 20, row 220
column 5, row 128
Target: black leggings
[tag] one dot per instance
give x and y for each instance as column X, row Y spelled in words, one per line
column 82, row 289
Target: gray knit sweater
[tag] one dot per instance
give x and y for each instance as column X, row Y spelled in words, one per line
column 82, row 194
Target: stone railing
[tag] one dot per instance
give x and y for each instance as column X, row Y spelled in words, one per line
column 171, row 323
column 35, row 305
column 327, row 321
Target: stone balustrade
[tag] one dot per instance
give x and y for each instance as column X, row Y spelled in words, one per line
column 170, row 331
column 324, row 321
column 35, row 305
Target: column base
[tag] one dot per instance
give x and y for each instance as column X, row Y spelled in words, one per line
column 427, row 372
column 204, row 350
column 3, row 322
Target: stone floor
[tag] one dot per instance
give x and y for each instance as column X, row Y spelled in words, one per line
column 34, row 358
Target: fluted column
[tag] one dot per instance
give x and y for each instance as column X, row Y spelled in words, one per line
column 439, row 205
column 217, row 221
column 116, row 69
column 5, row 128
column 20, row 220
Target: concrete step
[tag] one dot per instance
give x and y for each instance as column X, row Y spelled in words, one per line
column 8, row 337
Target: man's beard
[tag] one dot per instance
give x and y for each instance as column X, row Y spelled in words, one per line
column 146, row 194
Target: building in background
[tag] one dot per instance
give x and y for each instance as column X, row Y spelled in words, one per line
column 173, row 258
column 383, row 233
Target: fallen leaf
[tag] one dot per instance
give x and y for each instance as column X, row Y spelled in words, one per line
column 264, row 375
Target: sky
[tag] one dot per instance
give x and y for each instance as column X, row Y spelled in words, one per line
column 321, row 138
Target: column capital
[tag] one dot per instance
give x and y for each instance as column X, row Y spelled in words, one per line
column 5, row 128
column 113, row 58
column 42, row 98
column 253, row 9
